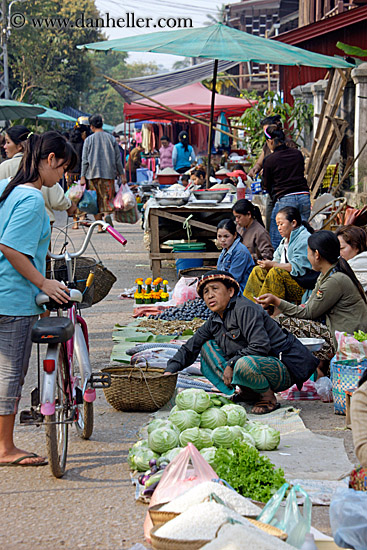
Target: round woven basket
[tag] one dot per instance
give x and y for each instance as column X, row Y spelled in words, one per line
column 139, row 389
column 270, row 529
column 161, row 543
column 159, row 517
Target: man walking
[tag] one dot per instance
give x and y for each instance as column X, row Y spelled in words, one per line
column 101, row 164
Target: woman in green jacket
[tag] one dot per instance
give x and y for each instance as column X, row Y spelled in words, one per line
column 338, row 297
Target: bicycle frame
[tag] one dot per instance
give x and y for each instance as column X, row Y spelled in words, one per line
column 78, row 343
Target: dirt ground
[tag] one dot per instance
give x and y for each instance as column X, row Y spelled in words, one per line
column 93, row 505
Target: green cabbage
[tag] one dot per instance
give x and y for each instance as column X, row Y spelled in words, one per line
column 247, row 438
column 185, row 419
column 142, row 458
column 266, row 438
column 209, row 454
column 236, row 415
column 237, row 431
column 223, row 436
column 199, row 437
column 194, row 399
column 161, row 424
column 213, row 418
column 142, row 444
column 162, row 441
column 170, row 455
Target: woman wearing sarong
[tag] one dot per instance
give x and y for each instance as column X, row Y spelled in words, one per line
column 338, row 296
column 289, row 273
column 240, row 345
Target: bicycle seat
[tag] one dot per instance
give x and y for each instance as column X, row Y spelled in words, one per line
column 52, row 330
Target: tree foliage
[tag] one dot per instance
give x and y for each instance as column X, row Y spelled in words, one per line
column 44, row 64
column 101, row 97
column 295, row 118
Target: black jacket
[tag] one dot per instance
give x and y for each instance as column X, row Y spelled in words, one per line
column 247, row 329
column 283, row 172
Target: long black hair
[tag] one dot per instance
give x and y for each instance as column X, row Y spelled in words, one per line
column 328, row 246
column 244, row 206
column 291, row 213
column 229, row 225
column 38, row 148
column 184, row 139
column 18, row 134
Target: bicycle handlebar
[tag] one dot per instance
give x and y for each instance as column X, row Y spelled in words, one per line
column 111, row 230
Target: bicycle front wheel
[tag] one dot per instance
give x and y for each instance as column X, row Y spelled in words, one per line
column 56, row 427
column 85, row 417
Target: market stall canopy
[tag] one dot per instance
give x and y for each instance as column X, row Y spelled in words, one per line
column 172, row 80
column 219, row 42
column 13, row 110
column 52, row 114
column 192, row 100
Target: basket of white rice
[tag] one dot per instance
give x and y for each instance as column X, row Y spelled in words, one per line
column 203, row 492
column 193, row 528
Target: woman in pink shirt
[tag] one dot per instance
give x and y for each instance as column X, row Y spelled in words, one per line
column 165, row 153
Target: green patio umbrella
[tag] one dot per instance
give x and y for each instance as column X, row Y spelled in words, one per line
column 12, row 110
column 52, row 114
column 219, row 42
column 108, row 128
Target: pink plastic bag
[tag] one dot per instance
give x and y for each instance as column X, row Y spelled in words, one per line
column 76, row 192
column 124, row 199
column 186, row 470
column 185, row 290
column 349, row 348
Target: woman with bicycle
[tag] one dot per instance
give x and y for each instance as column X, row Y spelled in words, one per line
column 24, row 239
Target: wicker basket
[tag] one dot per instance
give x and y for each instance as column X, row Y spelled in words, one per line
column 344, row 377
column 104, row 279
column 137, row 389
column 269, row 529
column 159, row 517
column 162, row 543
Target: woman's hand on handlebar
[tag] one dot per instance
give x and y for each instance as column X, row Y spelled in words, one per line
column 55, row 290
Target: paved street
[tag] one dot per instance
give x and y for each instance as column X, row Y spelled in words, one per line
column 93, row 505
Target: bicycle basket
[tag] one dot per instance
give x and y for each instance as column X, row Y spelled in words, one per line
column 104, row 279
column 81, row 268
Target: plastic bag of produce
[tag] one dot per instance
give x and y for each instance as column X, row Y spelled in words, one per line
column 187, row 469
column 348, row 518
column 157, row 358
column 124, row 199
column 75, row 192
column 351, row 347
column 185, row 290
column 289, row 518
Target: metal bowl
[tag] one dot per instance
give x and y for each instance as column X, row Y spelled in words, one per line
column 208, row 195
column 312, row 344
column 172, row 201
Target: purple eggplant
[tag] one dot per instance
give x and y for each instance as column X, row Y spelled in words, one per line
column 145, row 478
column 152, row 462
column 150, row 490
column 154, row 469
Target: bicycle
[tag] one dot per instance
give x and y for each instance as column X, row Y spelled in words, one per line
column 68, row 387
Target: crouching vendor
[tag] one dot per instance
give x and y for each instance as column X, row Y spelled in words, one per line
column 242, row 345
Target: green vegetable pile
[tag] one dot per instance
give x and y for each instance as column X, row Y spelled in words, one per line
column 249, row 473
column 209, row 423
column 360, row 336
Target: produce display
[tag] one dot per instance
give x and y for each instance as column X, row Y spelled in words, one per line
column 155, row 326
column 187, row 312
column 249, row 473
column 220, row 430
column 360, row 335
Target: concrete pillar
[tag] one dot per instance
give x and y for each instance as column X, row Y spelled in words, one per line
column 359, row 76
column 318, row 92
column 347, row 112
column 304, row 94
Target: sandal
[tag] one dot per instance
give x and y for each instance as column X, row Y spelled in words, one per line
column 267, row 406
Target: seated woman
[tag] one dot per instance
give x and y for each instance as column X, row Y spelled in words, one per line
column 338, row 296
column 198, row 178
column 353, row 248
column 289, row 273
column 240, row 344
column 251, row 228
column 235, row 257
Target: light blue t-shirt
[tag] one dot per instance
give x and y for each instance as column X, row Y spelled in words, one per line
column 182, row 158
column 25, row 227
